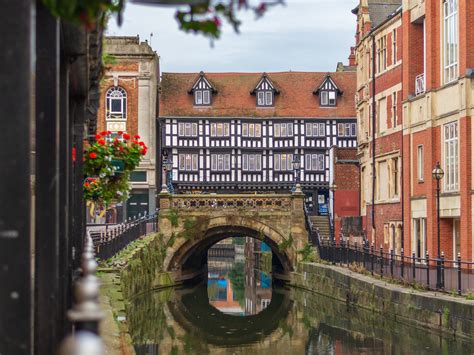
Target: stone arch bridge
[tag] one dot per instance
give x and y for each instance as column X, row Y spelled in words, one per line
column 196, row 222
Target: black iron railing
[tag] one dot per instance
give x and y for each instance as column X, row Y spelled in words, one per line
column 110, row 239
column 427, row 272
column 313, row 232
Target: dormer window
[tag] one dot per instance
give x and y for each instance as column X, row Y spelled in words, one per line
column 265, row 92
column 328, row 92
column 264, row 98
column 202, row 91
column 202, row 97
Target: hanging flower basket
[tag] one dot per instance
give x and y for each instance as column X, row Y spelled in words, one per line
column 107, row 166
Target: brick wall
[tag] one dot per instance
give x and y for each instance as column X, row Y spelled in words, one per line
column 130, row 85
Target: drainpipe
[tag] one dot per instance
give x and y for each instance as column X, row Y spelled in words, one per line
column 374, row 112
column 402, row 168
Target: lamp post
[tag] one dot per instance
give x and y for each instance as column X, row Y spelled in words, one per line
column 168, row 167
column 438, row 174
column 333, row 188
column 296, row 170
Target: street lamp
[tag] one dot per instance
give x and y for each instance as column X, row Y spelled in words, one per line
column 438, row 174
column 296, row 170
column 168, row 167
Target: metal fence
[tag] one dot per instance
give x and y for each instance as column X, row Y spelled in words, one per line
column 110, row 239
column 430, row 273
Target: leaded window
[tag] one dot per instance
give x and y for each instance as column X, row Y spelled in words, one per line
column 220, row 129
column 315, row 129
column 283, row 162
column 187, row 129
column 252, row 130
column 314, row 162
column 188, row 162
column 251, row 162
column 220, row 162
column 282, row 130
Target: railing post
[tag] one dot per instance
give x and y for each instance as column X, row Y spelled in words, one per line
column 364, row 249
column 392, row 252
column 356, row 253
column 413, row 260
column 442, row 270
column 459, row 275
column 381, row 261
column 372, row 258
column 333, row 244
column 402, row 255
column 427, row 269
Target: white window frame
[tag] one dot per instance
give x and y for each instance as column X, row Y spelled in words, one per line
column 420, row 163
column 116, row 93
column 394, row 46
column 451, row 156
column 220, row 129
column 268, row 98
column 283, row 130
column 198, row 97
column 206, row 97
column 252, row 162
column 394, row 109
column 283, row 162
column 188, row 162
column 340, row 129
column 332, row 98
column 315, row 162
column 324, row 98
column 220, row 162
column 450, row 40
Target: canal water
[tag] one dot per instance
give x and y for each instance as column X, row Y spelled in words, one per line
column 240, row 310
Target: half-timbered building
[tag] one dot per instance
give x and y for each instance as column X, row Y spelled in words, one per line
column 240, row 132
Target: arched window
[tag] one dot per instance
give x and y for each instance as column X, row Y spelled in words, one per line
column 116, row 104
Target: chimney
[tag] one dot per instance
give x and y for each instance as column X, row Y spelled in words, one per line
column 352, row 58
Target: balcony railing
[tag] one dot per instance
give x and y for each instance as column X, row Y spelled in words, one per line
column 420, row 84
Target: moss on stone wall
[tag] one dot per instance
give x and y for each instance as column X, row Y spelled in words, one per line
column 427, row 309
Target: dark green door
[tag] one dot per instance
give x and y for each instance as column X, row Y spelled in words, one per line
column 137, row 204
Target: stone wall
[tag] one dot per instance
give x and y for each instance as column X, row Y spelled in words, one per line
column 437, row 311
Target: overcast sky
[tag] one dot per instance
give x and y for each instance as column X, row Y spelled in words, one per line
column 304, row 35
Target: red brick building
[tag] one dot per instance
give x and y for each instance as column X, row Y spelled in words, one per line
column 378, row 101
column 128, row 103
column 433, row 80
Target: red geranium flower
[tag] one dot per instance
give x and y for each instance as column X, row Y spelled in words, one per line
column 101, row 141
column 120, row 133
column 108, row 132
column 126, row 136
column 103, row 133
column 136, row 137
column 144, row 151
column 87, row 184
column 98, row 136
column 92, row 155
column 142, row 144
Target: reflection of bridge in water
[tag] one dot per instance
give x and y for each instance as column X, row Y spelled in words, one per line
column 295, row 322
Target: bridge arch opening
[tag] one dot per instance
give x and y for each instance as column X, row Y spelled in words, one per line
column 191, row 257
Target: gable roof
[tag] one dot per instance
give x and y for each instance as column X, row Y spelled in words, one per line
column 202, row 77
column 331, row 83
column 296, row 97
column 265, row 78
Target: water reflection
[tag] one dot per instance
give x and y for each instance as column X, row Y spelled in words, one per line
column 201, row 319
column 237, row 287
